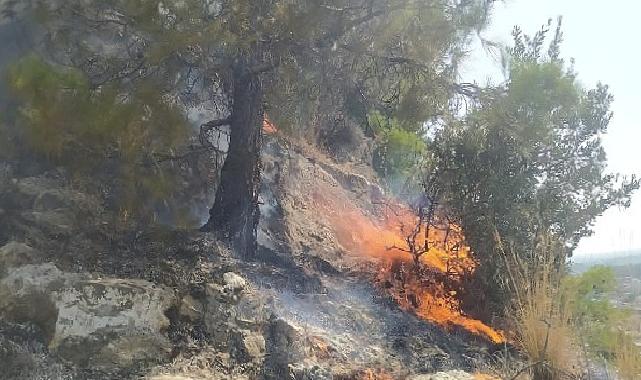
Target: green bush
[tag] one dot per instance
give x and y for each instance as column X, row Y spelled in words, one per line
column 108, row 134
column 398, row 154
column 597, row 321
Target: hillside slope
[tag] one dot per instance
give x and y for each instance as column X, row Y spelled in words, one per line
column 85, row 299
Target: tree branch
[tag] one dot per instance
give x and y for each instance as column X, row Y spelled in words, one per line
column 470, row 90
column 216, row 123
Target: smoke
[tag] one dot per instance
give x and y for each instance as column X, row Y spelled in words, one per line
column 346, row 315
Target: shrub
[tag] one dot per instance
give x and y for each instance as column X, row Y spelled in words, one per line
column 558, row 315
column 544, row 330
column 601, row 325
column 110, row 134
column 399, row 153
column 594, row 317
column 544, row 335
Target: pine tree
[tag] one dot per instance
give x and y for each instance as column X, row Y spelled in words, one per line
column 299, row 60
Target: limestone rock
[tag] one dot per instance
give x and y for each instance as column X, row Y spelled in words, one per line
column 127, row 350
column 36, row 278
column 234, row 282
column 97, row 322
column 15, row 254
column 284, row 348
column 252, row 310
column 248, row 346
column 113, row 304
column 57, row 221
column 48, row 203
column 311, row 372
column 191, row 308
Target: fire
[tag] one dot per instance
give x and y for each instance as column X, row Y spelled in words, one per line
column 319, row 347
column 269, row 127
column 371, row 374
column 426, row 293
column 428, row 290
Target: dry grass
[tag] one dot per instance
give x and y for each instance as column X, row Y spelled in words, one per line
column 628, row 360
column 544, row 333
column 543, row 328
column 544, row 321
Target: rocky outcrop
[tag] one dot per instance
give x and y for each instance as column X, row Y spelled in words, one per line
column 312, row 372
column 234, row 319
column 15, row 254
column 112, row 322
column 285, row 348
column 88, row 321
column 44, row 210
column 452, row 375
column 247, row 346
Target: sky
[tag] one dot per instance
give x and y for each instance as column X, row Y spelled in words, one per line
column 603, row 38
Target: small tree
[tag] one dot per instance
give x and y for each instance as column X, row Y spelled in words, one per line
column 113, row 135
column 528, row 158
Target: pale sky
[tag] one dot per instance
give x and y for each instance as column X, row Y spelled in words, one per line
column 603, row 38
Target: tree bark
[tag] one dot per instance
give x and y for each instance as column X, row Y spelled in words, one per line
column 235, row 212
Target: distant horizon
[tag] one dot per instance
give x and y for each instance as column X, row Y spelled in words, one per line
column 606, row 255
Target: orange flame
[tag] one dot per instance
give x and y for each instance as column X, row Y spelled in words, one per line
column 372, row 374
column 269, row 127
column 423, row 292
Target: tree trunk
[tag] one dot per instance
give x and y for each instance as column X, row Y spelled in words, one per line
column 235, row 211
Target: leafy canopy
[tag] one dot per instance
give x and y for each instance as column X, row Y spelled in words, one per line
column 588, row 297
column 527, row 160
column 398, row 155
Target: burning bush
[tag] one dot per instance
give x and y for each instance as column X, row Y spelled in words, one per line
column 421, row 267
column 431, row 295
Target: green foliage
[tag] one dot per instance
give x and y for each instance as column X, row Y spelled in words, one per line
column 528, row 160
column 368, row 56
column 597, row 321
column 318, row 62
column 597, row 281
column 543, row 327
column 397, row 57
column 398, row 154
column 109, row 130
